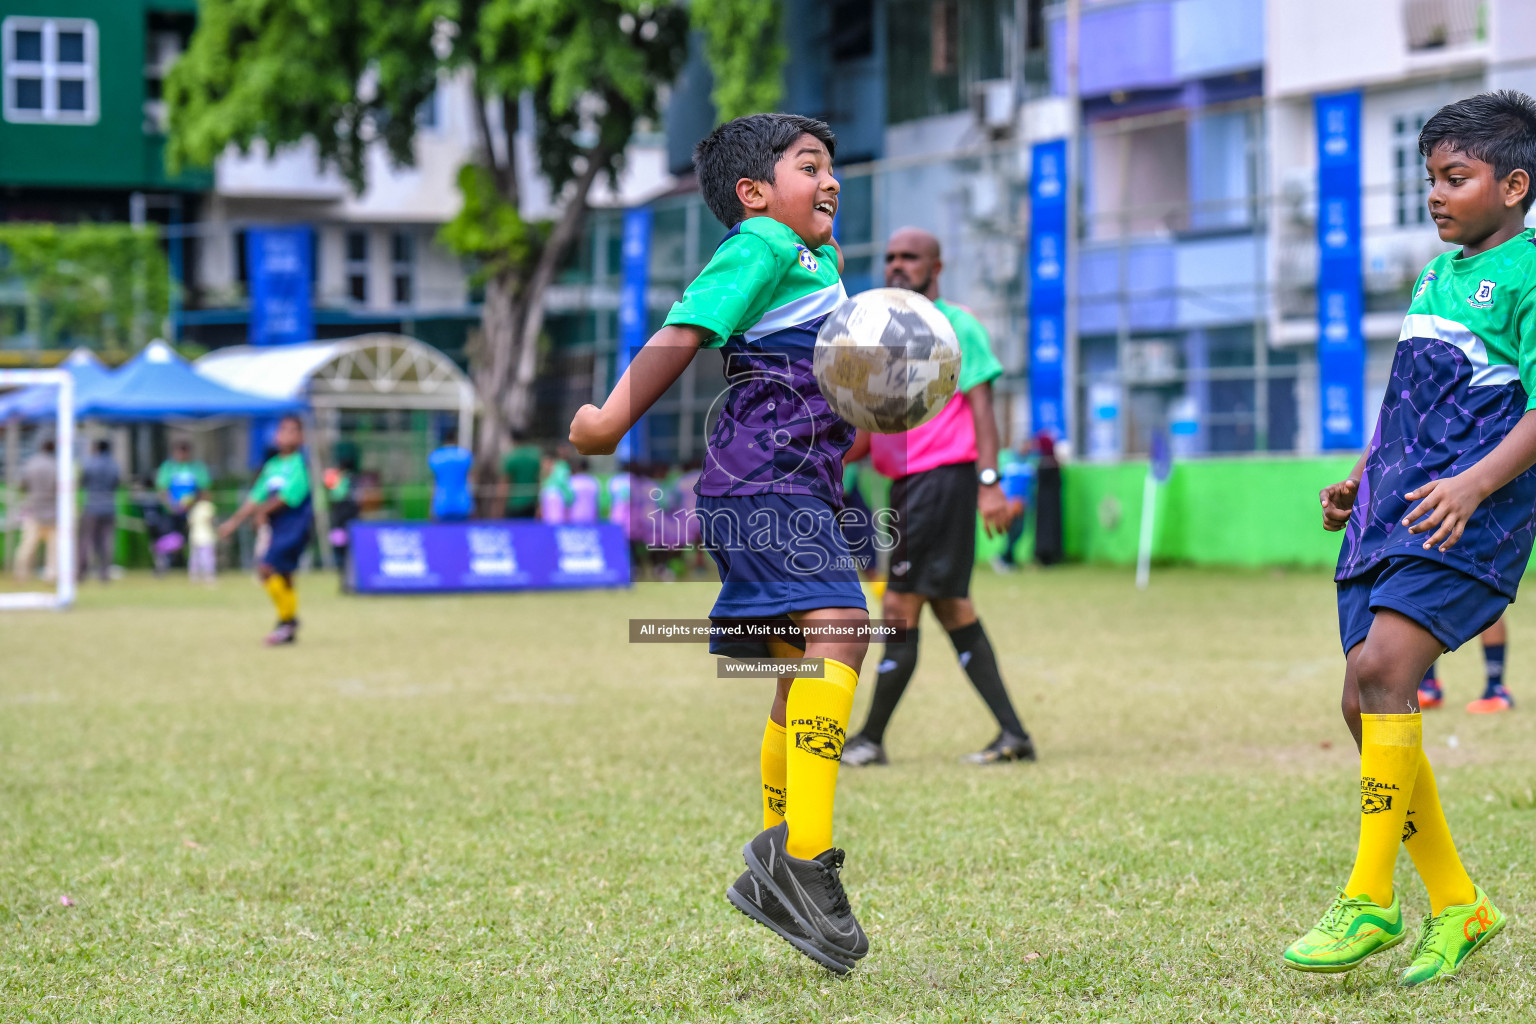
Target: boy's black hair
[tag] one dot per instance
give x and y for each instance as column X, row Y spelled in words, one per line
column 295, row 417
column 1498, row 128
column 103, row 446
column 749, row 147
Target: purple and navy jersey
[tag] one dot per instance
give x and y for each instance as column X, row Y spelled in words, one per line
column 1463, row 376
column 764, row 295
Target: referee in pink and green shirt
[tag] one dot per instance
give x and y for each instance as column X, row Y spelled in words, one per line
column 942, row 474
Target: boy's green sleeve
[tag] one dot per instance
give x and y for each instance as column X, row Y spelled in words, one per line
column 1525, row 332
column 204, row 481
column 731, row 292
column 163, row 477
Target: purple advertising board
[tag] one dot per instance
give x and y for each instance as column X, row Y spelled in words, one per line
column 513, row 554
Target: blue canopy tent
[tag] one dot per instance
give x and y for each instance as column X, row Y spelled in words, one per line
column 158, row 384
column 41, row 400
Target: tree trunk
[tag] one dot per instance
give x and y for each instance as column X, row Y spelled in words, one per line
column 511, row 321
column 492, row 366
column 520, row 396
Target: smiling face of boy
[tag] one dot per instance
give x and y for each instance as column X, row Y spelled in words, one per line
column 802, row 195
column 1470, row 205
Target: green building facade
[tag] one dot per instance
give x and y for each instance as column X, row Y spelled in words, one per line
column 81, row 100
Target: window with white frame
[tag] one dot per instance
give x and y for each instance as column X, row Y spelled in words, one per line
column 1411, row 187
column 49, row 70
column 427, row 113
column 357, row 266
column 402, row 251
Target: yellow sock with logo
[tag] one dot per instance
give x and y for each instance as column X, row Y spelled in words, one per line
column 771, row 760
column 1390, row 748
column 1429, row 843
column 817, row 722
column 283, row 598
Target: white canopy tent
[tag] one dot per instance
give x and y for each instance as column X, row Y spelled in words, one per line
column 371, row 371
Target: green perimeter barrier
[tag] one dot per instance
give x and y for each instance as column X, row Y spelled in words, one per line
column 1252, row 512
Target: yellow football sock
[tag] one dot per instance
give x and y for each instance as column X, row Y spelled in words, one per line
column 772, row 763
column 1429, row 843
column 818, row 714
column 283, row 598
column 1390, row 748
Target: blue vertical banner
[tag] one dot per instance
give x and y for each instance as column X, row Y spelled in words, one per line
column 1048, row 194
column 1340, row 287
column 278, row 265
column 634, row 281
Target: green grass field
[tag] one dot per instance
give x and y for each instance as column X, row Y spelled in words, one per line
column 496, row 809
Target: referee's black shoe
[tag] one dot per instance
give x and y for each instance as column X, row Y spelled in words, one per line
column 753, row 899
column 811, row 890
column 861, row 750
column 1007, row 747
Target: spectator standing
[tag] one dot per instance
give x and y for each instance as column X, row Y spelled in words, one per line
column 555, row 496
column 521, row 467
column 341, row 495
column 99, row 479
column 203, row 538
column 585, row 492
column 1049, row 549
column 39, row 512
column 1018, row 478
column 179, row 481
column 450, row 465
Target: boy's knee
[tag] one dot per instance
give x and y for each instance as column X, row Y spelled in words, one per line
column 1349, row 705
column 1373, row 671
column 854, row 651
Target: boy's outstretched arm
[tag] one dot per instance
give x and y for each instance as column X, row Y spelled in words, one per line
column 1338, row 500
column 1449, row 502
column 655, row 368
column 258, row 509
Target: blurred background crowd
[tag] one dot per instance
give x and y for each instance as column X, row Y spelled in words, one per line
column 1130, row 195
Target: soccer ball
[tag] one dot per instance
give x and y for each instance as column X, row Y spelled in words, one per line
column 887, row 360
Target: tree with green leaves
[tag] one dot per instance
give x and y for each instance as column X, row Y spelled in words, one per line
column 349, row 74
column 107, row 282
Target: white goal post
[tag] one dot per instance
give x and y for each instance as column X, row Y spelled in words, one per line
column 64, row 536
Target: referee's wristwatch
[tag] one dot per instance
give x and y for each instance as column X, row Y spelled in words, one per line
column 987, row 477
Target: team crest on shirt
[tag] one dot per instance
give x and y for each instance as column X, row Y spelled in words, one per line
column 1483, row 297
column 1429, row 279
column 807, row 260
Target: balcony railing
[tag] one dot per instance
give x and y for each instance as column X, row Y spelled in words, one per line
column 1445, row 24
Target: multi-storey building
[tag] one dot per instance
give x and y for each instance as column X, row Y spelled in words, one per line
column 1396, row 62
column 1166, row 309
column 82, row 137
column 931, row 101
column 82, row 133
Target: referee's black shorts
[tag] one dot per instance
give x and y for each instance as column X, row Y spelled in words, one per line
column 935, row 527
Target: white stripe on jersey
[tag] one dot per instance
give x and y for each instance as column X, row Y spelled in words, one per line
column 1427, row 325
column 797, row 311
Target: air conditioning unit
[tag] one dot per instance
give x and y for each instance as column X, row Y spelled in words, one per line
column 992, row 104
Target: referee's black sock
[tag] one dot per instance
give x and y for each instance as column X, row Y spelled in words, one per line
column 896, row 666
column 976, row 657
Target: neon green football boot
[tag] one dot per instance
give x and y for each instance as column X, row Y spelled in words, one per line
column 1353, row 929
column 1451, row 936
